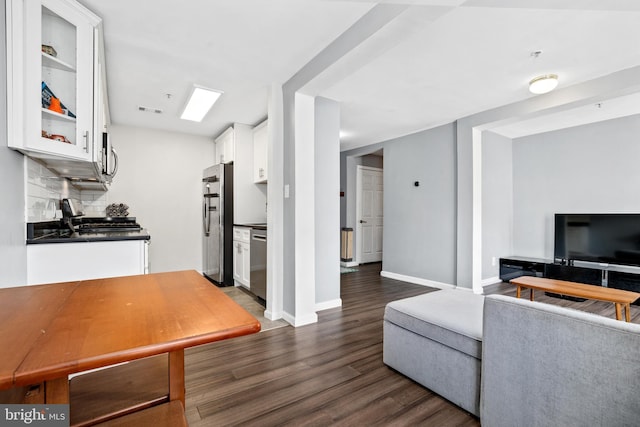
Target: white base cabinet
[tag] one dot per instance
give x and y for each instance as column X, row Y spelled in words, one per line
column 65, row 262
column 241, row 254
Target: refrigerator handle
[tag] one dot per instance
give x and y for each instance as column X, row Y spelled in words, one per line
column 206, row 218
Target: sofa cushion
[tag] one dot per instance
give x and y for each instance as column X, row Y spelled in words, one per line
column 451, row 317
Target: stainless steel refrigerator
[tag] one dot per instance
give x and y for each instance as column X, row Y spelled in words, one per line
column 217, row 220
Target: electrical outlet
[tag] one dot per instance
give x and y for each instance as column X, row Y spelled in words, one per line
column 494, row 261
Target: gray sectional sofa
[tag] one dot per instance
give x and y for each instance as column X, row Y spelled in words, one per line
column 532, row 364
column 436, row 340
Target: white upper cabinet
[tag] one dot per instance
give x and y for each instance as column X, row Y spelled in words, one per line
column 260, row 144
column 52, row 61
column 225, row 146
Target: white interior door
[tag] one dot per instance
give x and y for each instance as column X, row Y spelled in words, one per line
column 370, row 214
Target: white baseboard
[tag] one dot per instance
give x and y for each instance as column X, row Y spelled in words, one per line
column 490, row 281
column 416, row 280
column 326, row 305
column 300, row 320
column 273, row 315
column 348, row 264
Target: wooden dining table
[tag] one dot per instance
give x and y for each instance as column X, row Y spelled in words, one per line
column 48, row 332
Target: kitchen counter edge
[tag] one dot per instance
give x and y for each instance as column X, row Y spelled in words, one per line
column 94, row 237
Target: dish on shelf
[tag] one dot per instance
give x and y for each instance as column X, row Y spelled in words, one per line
column 49, row 50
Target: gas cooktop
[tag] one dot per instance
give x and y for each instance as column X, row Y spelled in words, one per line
column 105, row 224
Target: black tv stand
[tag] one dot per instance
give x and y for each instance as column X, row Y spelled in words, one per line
column 516, row 266
column 567, row 297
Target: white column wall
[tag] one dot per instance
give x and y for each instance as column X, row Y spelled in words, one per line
column 275, row 248
column 304, row 211
column 327, row 203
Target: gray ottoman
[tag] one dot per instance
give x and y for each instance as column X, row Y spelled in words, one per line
column 436, row 340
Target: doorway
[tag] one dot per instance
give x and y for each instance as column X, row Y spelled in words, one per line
column 369, row 214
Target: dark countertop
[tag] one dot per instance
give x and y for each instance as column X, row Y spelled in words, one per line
column 51, row 232
column 65, row 236
column 257, row 226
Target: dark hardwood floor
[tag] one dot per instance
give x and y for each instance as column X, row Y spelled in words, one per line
column 328, row 373
column 325, row 374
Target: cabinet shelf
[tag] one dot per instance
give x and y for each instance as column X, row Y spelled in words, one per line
column 74, row 74
column 57, row 116
column 52, row 62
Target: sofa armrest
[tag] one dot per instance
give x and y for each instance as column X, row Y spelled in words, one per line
column 547, row 365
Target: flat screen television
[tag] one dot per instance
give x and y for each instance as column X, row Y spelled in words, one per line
column 601, row 238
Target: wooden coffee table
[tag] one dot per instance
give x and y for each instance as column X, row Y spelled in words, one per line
column 617, row 296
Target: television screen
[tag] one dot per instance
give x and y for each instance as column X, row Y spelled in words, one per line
column 602, row 238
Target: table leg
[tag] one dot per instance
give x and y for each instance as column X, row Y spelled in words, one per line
column 531, row 295
column 57, row 390
column 518, row 291
column 627, row 310
column 618, row 311
column 176, row 376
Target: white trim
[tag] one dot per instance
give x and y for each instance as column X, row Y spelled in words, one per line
column 14, row 20
column 288, row 318
column 491, row 281
column 460, row 288
column 358, row 227
column 476, row 232
column 273, row 315
column 417, row 280
column 300, row 320
column 370, row 168
column 326, row 305
column 275, row 205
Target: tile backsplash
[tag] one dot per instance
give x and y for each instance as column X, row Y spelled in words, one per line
column 94, row 202
column 45, row 189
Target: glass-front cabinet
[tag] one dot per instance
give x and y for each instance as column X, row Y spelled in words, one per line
column 52, row 79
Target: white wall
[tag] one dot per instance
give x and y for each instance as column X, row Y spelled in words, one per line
column 249, row 198
column 160, row 178
column 497, row 202
column 275, row 196
column 13, row 253
column 591, row 169
column 327, row 203
column 305, row 249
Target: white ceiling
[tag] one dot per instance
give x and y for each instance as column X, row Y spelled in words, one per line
column 435, row 62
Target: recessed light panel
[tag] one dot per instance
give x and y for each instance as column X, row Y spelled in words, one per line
column 199, row 104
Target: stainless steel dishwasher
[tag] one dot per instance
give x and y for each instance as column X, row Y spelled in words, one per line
column 258, row 261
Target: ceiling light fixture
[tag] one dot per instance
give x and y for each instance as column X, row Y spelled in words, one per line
column 543, row 84
column 200, row 102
